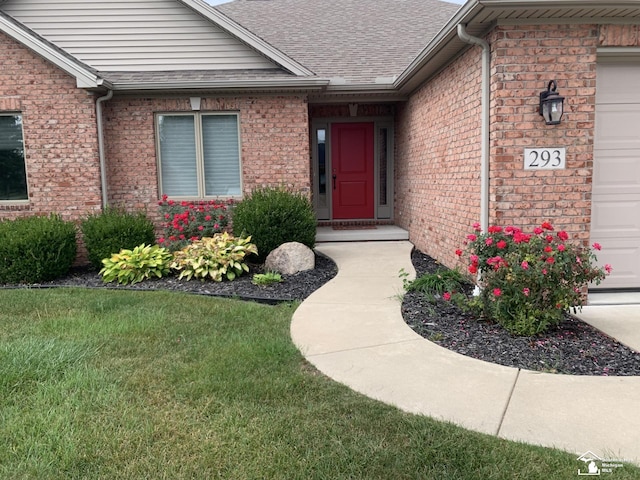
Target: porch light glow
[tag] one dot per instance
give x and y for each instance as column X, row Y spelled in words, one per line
column 551, row 104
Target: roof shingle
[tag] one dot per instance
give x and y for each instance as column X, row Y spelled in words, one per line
column 360, row 41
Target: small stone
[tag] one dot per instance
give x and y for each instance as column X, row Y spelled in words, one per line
column 290, row 258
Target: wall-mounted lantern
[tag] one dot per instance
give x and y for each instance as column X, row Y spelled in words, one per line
column 551, row 104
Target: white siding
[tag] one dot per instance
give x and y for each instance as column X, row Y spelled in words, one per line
column 121, row 35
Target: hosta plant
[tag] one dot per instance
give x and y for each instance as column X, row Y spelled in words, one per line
column 529, row 280
column 133, row 266
column 215, row 258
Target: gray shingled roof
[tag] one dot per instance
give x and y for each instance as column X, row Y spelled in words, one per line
column 194, row 76
column 358, row 40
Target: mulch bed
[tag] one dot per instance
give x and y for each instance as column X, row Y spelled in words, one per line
column 574, row 347
column 293, row 287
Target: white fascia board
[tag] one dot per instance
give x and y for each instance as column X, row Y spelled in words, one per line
column 85, row 78
column 472, row 8
column 247, row 37
column 365, row 89
column 275, row 85
column 561, row 3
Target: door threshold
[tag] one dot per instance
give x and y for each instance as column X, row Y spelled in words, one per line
column 361, row 234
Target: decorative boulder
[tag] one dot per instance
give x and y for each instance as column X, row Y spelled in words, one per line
column 290, row 258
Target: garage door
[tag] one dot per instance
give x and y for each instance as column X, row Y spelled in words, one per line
column 615, row 221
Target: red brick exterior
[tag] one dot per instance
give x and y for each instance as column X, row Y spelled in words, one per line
column 525, row 59
column 437, row 177
column 438, row 136
column 274, row 142
column 437, row 148
column 60, row 135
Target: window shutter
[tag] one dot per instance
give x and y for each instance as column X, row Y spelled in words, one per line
column 221, row 155
column 178, row 155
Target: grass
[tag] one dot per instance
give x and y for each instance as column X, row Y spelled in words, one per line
column 128, row 385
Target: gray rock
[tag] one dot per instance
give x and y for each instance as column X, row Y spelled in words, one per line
column 290, row 258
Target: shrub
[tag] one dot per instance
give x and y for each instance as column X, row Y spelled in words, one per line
column 218, row 257
column 133, row 266
column 185, row 222
column 273, row 216
column 36, row 249
column 113, row 230
column 528, row 281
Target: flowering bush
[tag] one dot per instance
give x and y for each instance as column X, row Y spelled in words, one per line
column 185, row 221
column 528, row 280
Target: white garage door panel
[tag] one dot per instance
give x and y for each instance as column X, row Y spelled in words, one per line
column 617, row 127
column 615, row 209
column 616, row 172
column 618, row 83
column 624, row 257
column 614, row 217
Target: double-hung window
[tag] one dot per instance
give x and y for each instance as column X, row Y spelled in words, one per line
column 13, row 174
column 199, row 154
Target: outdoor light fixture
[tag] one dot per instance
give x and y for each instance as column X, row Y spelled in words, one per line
column 551, row 104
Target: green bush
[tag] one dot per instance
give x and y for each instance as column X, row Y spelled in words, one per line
column 113, row 230
column 273, row 216
column 529, row 280
column 36, row 249
column 218, row 257
column 133, row 266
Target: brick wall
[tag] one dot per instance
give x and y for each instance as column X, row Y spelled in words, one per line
column 343, row 111
column 437, row 174
column 619, row 36
column 59, row 130
column 525, row 59
column 438, row 139
column 274, row 142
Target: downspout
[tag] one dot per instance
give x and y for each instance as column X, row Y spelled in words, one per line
column 484, row 159
column 103, row 167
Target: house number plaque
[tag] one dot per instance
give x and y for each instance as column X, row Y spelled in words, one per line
column 545, row 158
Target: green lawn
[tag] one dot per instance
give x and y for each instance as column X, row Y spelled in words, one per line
column 153, row 385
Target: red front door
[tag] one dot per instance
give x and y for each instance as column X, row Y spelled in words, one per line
column 352, row 170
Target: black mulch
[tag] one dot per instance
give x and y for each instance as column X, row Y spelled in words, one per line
column 293, row 287
column 574, row 347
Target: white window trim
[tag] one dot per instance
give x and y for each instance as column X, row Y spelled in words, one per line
column 199, row 154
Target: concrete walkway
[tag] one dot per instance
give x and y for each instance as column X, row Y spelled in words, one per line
column 352, row 330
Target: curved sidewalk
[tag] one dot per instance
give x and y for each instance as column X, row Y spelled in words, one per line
column 352, row 330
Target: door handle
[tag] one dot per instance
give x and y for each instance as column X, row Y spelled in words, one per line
column 334, row 180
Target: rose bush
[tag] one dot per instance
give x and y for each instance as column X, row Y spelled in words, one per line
column 187, row 221
column 529, row 280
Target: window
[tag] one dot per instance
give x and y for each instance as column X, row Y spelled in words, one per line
column 199, row 155
column 13, row 174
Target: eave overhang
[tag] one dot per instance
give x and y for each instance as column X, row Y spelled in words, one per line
column 480, row 16
column 293, row 84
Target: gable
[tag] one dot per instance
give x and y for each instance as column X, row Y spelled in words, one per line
column 144, row 35
column 84, row 75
